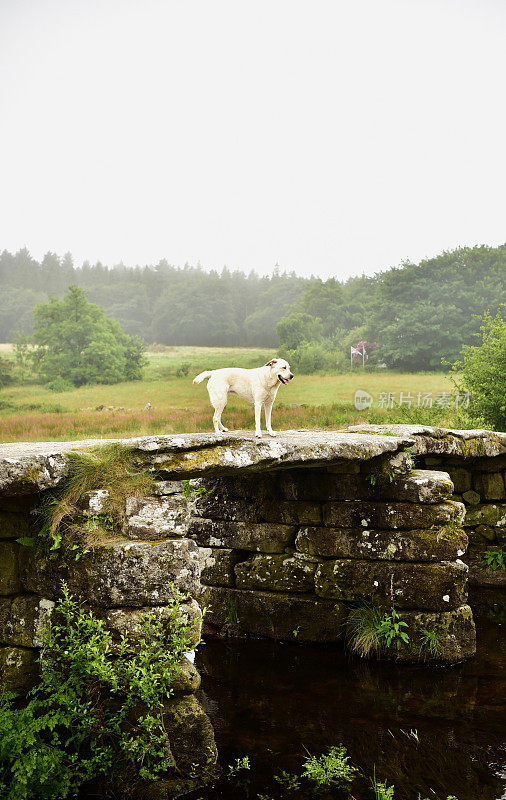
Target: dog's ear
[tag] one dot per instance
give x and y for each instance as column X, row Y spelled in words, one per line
column 271, row 363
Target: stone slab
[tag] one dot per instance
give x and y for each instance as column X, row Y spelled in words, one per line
column 130, row 621
column 430, row 587
column 23, row 620
column 14, row 526
column 10, row 578
column 131, row 574
column 363, row 543
column 29, row 467
column 19, row 669
column 276, row 573
column 264, row 537
column 155, row 518
column 390, row 516
column 444, row 441
column 275, row 615
column 217, row 565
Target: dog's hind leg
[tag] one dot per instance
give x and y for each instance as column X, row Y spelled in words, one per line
column 218, row 401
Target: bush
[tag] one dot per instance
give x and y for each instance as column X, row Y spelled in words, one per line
column 60, row 385
column 311, row 357
column 483, row 370
column 70, row 732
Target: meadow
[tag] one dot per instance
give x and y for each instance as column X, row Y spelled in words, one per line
column 31, row 412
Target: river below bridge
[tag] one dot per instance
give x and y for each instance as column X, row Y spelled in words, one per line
column 433, row 732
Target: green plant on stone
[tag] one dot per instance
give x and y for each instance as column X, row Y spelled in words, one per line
column 97, row 713
column 239, row 765
column 191, row 491
column 495, row 558
column 381, row 790
column 231, row 615
column 289, row 782
column 363, row 626
column 330, row 769
column 391, row 630
column 431, row 641
column 107, row 467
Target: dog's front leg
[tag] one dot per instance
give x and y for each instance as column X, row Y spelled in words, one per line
column 258, row 419
column 268, row 409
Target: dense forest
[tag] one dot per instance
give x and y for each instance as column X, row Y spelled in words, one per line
column 415, row 313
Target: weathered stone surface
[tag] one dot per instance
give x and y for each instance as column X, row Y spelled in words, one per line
column 290, row 513
column 388, row 464
column 471, row 497
column 121, row 573
column 444, row 441
column 223, row 507
column 490, row 485
column 131, row 620
column 265, row 537
column 19, row 504
column 362, row 543
column 19, row 669
column 164, row 488
column 461, row 478
column 188, row 677
column 14, row 526
column 23, row 620
column 390, row 516
column 432, row 587
column 156, row 518
column 217, row 565
column 480, row 573
column 493, row 514
column 190, row 733
column 420, row 486
column 485, row 532
column 10, row 581
column 276, row 615
column 446, row 637
column 26, row 468
column 276, row 573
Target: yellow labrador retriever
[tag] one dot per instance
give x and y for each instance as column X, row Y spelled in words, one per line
column 258, row 386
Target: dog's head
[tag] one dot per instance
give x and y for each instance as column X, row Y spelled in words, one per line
column 281, row 369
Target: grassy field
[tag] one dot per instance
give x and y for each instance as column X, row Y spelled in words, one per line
column 30, row 412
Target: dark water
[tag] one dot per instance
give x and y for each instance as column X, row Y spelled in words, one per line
column 436, row 732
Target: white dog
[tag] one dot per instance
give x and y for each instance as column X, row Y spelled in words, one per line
column 258, row 386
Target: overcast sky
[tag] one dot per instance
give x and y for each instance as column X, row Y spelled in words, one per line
column 330, row 137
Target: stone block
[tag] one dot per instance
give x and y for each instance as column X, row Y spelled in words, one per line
column 276, row 573
column 190, row 733
column 165, row 488
column 480, row 573
column 471, row 497
column 223, row 507
column 461, row 478
column 14, row 526
column 23, row 620
column 362, row 543
column 120, row 573
column 188, row 678
column 10, row 580
column 432, row 587
column 490, row 485
column 493, row 514
column 290, row 513
column 399, row 463
column 217, row 565
column 156, row 518
column 265, row 537
column 276, row 615
column 390, row 516
column 130, row 621
column 446, row 637
column 19, row 669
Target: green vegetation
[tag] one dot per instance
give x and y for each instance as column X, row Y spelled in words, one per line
column 495, row 558
column 431, row 641
column 76, row 344
column 70, row 733
column 239, row 765
column 482, row 371
column 330, row 769
column 381, row 790
column 369, row 628
column 108, row 465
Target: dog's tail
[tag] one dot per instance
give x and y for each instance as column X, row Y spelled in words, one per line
column 203, row 375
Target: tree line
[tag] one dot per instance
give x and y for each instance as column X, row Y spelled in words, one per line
column 413, row 315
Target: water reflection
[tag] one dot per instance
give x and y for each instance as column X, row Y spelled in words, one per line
column 437, row 732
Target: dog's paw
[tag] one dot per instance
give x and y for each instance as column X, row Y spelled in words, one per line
column 272, row 433
column 258, row 435
column 224, row 430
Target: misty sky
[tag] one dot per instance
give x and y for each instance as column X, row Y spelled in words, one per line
column 331, row 137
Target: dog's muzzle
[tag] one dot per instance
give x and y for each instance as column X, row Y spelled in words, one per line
column 285, row 381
